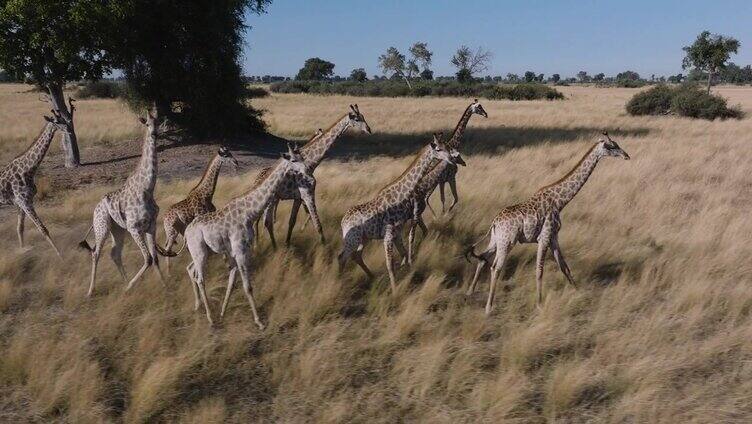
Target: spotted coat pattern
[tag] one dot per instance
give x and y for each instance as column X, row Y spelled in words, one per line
column 197, row 202
column 17, row 186
column 537, row 220
column 301, row 188
column 383, row 217
column 229, row 231
column 130, row 209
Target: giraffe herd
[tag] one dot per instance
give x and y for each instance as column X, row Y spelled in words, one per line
column 232, row 230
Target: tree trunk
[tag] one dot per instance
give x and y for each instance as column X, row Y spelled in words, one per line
column 710, row 77
column 407, row 80
column 69, row 140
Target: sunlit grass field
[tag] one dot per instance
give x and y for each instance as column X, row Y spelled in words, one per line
column 659, row 330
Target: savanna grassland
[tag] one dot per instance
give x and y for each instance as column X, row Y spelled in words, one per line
column 658, row 330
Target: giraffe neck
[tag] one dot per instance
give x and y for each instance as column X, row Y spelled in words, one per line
column 313, row 152
column 459, row 130
column 432, row 177
column 564, row 190
column 208, row 183
column 31, row 159
column 253, row 203
column 145, row 176
column 404, row 186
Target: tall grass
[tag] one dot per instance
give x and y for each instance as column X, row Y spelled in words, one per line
column 659, row 330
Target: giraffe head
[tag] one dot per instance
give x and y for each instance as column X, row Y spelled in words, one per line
column 57, row 121
column 357, row 120
column 151, row 121
column 475, row 107
column 608, row 147
column 294, row 159
column 440, row 151
column 226, row 156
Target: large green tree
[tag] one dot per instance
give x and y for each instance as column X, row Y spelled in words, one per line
column 469, row 62
column 184, row 56
column 51, row 42
column 315, row 69
column 709, row 53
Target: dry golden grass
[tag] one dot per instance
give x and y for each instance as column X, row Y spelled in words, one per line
column 660, row 329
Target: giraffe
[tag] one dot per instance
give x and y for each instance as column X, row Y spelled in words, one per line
column 229, row 231
column 538, row 220
column 300, row 188
column 17, row 186
column 450, row 172
column 420, row 198
column 198, row 201
column 131, row 208
column 383, row 217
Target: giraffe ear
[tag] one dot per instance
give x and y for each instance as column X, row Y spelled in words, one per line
column 142, row 120
column 285, row 156
column 48, row 119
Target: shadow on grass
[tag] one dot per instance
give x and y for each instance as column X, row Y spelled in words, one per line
column 475, row 141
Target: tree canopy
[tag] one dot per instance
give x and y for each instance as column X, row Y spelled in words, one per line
column 315, row 69
column 709, row 53
column 469, row 62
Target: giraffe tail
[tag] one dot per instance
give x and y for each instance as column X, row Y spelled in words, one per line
column 163, row 252
column 470, row 251
column 84, row 244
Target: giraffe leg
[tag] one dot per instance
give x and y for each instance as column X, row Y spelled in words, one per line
column 453, row 188
column 487, row 255
column 443, row 198
column 308, row 216
column 244, row 265
column 358, row 258
column 101, row 224
column 171, row 236
column 116, row 253
column 196, row 296
column 20, row 227
column 540, row 261
column 309, row 200
column 197, row 275
column 410, row 243
column 269, row 213
column 140, row 240
column 398, row 243
column 498, row 265
column 230, row 286
column 151, row 244
column 293, row 218
column 559, row 257
column 255, row 232
column 389, row 253
column 28, row 209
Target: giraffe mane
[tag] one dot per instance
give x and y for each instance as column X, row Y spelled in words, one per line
column 571, row 171
column 417, row 157
column 316, row 136
column 206, row 172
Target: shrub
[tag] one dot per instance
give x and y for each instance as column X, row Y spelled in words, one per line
column 655, row 101
column 685, row 100
column 256, row 92
column 397, row 88
column 693, row 102
column 100, row 90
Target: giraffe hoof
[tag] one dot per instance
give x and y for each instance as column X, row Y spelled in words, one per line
column 260, row 325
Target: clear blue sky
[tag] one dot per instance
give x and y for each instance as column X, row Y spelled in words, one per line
column 543, row 36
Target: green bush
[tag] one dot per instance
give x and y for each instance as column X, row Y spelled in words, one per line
column 655, row 101
column 685, row 100
column 693, row 102
column 389, row 88
column 100, row 90
column 255, row 92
